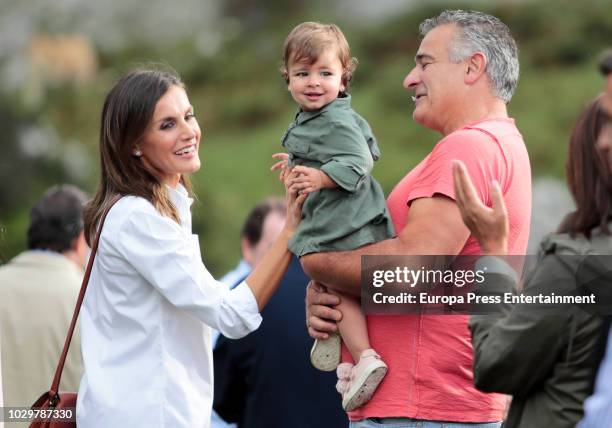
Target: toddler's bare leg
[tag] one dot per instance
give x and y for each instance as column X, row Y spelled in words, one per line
column 352, row 327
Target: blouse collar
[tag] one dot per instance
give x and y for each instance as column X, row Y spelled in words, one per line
column 181, row 200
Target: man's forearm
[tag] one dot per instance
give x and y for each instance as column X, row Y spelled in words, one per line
column 337, row 270
column 434, row 228
column 341, row 271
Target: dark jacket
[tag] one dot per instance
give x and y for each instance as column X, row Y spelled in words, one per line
column 546, row 356
column 266, row 380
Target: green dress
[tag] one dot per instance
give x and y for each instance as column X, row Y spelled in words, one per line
column 336, row 140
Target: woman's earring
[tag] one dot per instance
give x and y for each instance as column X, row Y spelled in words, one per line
column 137, row 153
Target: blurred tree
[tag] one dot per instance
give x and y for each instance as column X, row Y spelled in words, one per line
column 28, row 162
column 254, row 15
column 228, row 53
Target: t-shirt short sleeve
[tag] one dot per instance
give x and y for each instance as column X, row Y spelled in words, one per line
column 479, row 152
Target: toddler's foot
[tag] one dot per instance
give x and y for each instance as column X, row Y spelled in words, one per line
column 325, row 353
column 358, row 383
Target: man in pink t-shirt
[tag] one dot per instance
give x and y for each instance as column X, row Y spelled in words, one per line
column 465, row 74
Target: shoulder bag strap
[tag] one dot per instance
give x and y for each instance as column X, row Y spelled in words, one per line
column 53, row 392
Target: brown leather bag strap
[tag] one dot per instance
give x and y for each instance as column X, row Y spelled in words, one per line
column 60, row 365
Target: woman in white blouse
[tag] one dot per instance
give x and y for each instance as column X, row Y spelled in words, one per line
column 151, row 302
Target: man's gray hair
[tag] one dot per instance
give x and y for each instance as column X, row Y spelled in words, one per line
column 479, row 32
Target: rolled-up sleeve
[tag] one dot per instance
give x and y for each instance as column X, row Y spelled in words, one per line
column 352, row 161
column 244, row 302
column 169, row 259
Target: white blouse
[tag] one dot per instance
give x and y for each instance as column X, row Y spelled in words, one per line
column 146, row 321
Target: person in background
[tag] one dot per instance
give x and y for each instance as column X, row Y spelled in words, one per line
column 546, row 357
column 260, row 229
column 605, row 68
column 598, row 407
column 38, row 291
column 265, row 379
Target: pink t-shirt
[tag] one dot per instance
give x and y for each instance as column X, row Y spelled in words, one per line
column 430, row 356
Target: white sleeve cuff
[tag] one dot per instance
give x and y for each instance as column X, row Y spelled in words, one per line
column 245, row 300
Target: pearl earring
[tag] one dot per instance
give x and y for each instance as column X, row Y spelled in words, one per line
column 137, row 153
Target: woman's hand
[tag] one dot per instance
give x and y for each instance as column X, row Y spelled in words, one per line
column 264, row 279
column 488, row 225
column 282, row 164
column 294, row 200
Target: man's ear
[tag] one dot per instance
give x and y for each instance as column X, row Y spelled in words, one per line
column 476, row 66
column 247, row 251
column 79, row 250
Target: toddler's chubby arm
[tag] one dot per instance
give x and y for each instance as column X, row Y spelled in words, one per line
column 308, row 179
column 311, row 179
column 345, row 158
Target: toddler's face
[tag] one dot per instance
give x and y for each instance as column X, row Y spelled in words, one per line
column 313, row 86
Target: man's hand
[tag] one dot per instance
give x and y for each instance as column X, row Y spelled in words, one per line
column 488, row 225
column 321, row 317
column 311, row 179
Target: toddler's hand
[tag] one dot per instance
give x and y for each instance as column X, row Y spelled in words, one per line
column 282, row 165
column 311, row 179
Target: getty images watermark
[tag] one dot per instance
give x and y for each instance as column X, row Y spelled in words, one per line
column 479, row 285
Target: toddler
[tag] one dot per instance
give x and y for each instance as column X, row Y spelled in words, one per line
column 333, row 150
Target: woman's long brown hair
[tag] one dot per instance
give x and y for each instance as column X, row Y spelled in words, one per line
column 128, row 110
column 588, row 174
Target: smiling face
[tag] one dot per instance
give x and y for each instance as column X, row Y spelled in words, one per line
column 436, row 81
column 169, row 147
column 313, row 86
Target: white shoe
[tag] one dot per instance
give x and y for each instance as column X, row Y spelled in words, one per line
column 325, row 353
column 365, row 377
